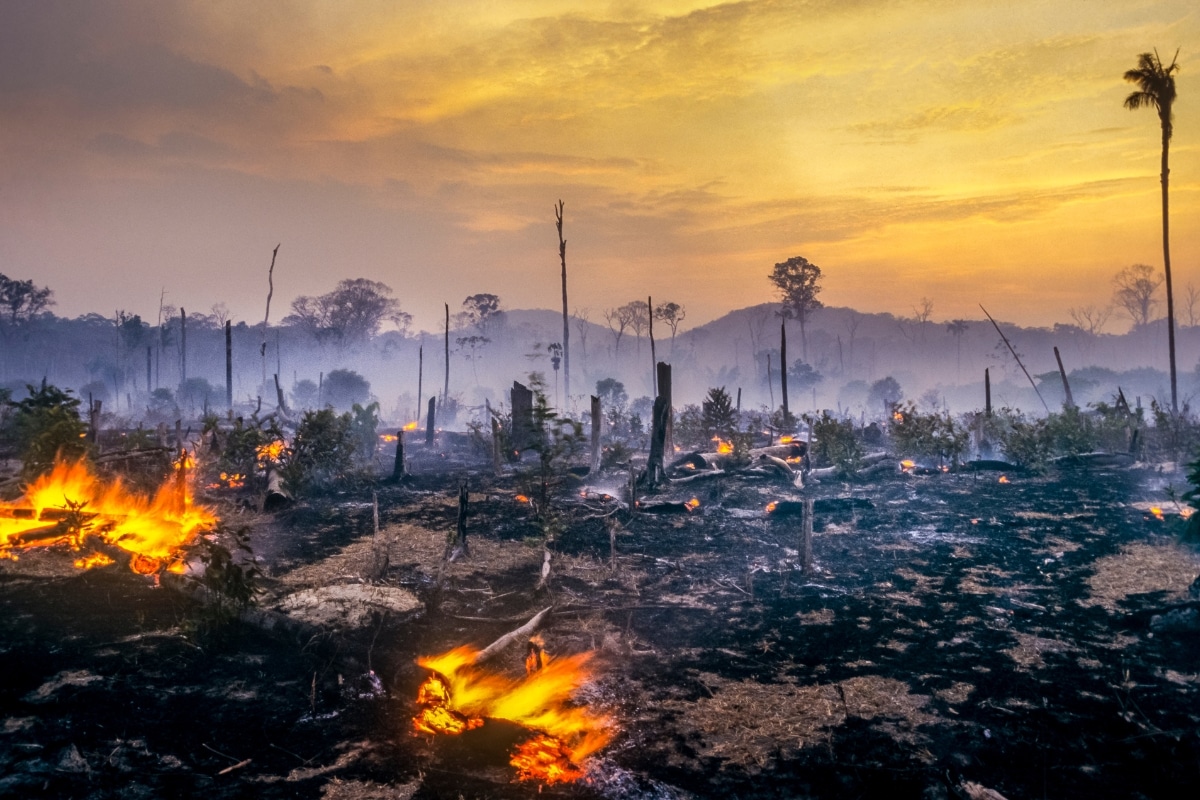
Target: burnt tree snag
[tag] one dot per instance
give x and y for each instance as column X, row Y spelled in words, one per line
column 663, row 382
column 1017, row 358
column 228, row 364
column 566, row 342
column 658, row 436
column 398, row 465
column 1070, row 401
column 267, row 315
column 446, row 384
column 522, row 417
column 182, row 347
column 594, row 464
column 279, row 396
column 429, row 422
column 987, row 392
column 497, row 448
column 783, row 369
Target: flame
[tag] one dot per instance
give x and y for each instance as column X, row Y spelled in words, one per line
column 70, row 504
column 693, row 504
column 229, row 480
column 897, row 416
column 388, row 437
column 786, row 439
column 459, row 695
column 271, row 451
column 1004, row 479
column 1186, row 512
column 521, row 498
column 1157, row 512
column 907, row 464
column 723, row 446
column 771, row 506
column 412, row 426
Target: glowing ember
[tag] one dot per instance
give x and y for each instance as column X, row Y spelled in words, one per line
column 771, row 506
column 693, row 504
column 786, row 439
column 897, row 416
column 388, row 437
column 907, row 465
column 1157, row 512
column 1004, row 479
column 229, row 480
column 459, row 695
column 412, row 426
column 70, row 505
column 521, row 498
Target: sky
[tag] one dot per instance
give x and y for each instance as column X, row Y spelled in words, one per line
column 960, row 151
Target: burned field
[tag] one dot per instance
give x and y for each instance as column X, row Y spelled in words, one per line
column 956, row 633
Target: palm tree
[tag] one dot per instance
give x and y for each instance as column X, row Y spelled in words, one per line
column 1156, row 88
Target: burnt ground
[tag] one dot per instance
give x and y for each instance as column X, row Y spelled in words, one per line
column 957, row 630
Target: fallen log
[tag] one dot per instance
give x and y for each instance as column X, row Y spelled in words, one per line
column 277, row 497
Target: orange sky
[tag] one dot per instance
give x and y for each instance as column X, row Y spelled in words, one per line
column 962, row 151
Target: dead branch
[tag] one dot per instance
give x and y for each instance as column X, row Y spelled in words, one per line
column 496, row 647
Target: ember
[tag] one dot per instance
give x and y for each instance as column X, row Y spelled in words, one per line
column 70, row 505
column 412, row 426
column 459, row 694
column 1004, row 479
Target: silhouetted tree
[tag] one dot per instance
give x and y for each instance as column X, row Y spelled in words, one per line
column 1156, row 89
column 1134, row 290
column 798, row 282
column 21, row 301
column 672, row 314
column 353, row 312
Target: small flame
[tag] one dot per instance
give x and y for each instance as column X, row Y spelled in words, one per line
column 521, row 498
column 1004, row 479
column 412, row 426
column 693, row 504
column 907, row 465
column 94, row 560
column 270, row 452
column 897, row 416
column 388, row 437
column 1157, row 512
column 771, row 506
column 723, row 446
column 535, row 655
column 786, row 439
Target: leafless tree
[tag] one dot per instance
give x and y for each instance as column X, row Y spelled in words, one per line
column 582, row 325
column 1091, row 319
column 638, row 312
column 618, row 320
column 1134, row 290
column 921, row 314
column 1190, row 298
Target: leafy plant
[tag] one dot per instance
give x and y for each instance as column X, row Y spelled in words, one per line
column 228, row 583
column 557, row 441
column 321, row 452
column 718, row 417
column 834, row 443
column 46, row 425
column 932, row 435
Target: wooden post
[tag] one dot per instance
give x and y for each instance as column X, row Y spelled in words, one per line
column 596, row 421
column 987, row 391
column 228, row 364
column 783, row 368
column 429, row 421
column 806, row 532
column 398, row 465
column 1070, row 401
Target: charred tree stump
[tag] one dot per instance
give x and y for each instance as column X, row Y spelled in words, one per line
column 429, row 422
column 658, row 436
column 522, row 417
column 277, row 497
column 663, row 376
column 806, row 533
column 596, row 420
column 987, row 392
column 398, row 472
column 783, row 369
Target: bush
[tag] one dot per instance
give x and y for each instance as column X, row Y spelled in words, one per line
column 45, row 426
column 834, row 443
column 343, row 388
column 718, row 416
column 933, row 435
column 322, row 451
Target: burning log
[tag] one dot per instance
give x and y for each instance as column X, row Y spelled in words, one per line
column 498, row 646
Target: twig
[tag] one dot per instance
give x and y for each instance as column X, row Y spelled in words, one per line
column 238, row 765
column 218, row 752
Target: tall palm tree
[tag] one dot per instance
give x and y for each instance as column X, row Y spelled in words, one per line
column 1156, row 89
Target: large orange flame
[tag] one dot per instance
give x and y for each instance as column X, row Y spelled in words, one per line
column 71, row 503
column 459, row 694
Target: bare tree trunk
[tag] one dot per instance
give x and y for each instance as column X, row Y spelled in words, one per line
column 1167, row 269
column 1070, row 401
column 566, row 342
column 446, row 386
column 806, row 532
column 987, row 391
column 596, row 420
column 267, row 316
column 429, row 422
column 228, row 364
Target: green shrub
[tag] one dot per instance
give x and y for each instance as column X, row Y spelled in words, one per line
column 932, row 435
column 46, row 425
column 321, row 452
column 834, row 443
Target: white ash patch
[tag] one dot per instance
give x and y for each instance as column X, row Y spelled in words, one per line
column 79, row 677
column 347, row 605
